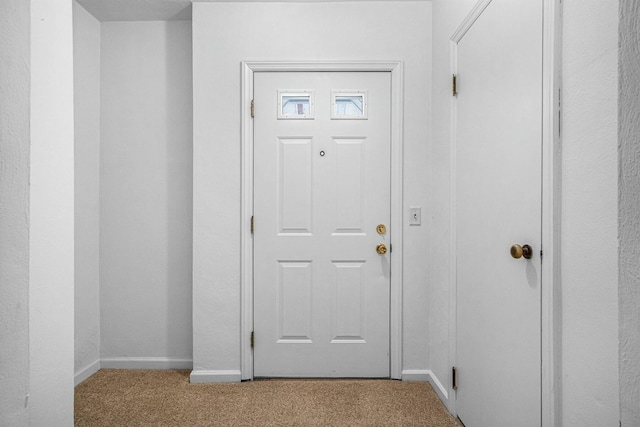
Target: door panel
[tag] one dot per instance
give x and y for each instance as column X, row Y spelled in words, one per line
column 349, row 169
column 294, row 184
column 322, row 185
column 499, row 140
column 294, row 306
column 348, row 321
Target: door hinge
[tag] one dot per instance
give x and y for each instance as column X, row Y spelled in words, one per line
column 454, row 85
column 454, row 378
column 252, row 224
column 540, row 254
column 559, row 112
column 252, row 109
column 390, row 247
column 252, row 339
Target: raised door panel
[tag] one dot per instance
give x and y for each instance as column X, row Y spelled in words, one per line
column 295, row 301
column 349, row 313
column 350, row 186
column 295, row 192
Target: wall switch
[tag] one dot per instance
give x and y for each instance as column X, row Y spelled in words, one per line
column 415, row 216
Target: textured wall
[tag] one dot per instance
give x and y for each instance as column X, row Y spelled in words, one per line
column 146, row 193
column 224, row 35
column 629, row 211
column 86, row 73
column 14, row 211
column 589, row 247
column 51, row 232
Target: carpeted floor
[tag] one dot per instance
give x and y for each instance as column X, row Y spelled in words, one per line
column 117, row 398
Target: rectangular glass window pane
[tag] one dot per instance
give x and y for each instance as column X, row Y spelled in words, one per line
column 349, row 105
column 295, row 105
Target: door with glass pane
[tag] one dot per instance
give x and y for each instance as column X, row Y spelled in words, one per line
column 322, row 215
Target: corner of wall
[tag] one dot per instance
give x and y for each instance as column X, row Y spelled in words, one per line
column 629, row 212
column 86, row 372
column 427, row 375
column 86, row 75
column 51, row 228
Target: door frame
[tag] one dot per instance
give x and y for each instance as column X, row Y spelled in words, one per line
column 248, row 68
column 551, row 204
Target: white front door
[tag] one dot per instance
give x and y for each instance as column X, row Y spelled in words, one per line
column 498, row 198
column 321, row 188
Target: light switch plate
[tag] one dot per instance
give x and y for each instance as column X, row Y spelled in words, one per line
column 415, row 215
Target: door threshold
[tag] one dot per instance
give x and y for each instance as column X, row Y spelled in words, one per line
column 317, row 378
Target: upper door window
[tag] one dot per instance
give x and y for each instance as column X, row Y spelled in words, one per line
column 295, row 104
column 350, row 104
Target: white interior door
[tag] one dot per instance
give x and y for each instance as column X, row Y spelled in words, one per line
column 499, row 142
column 321, row 188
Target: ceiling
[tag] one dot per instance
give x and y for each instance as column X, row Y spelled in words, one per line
column 153, row 10
column 138, row 10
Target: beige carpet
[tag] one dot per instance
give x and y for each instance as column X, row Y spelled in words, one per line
column 117, row 398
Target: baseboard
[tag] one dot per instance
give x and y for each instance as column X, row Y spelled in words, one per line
column 428, row 376
column 438, row 387
column 415, row 375
column 203, row 376
column 145, row 363
column 86, row 372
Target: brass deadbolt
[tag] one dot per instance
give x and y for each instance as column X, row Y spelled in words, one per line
column 381, row 229
column 381, row 249
column 518, row 251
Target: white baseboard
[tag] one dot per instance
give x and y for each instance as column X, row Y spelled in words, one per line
column 415, row 375
column 203, row 376
column 428, row 376
column 86, row 372
column 145, row 363
column 438, row 387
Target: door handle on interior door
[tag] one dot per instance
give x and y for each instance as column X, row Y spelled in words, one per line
column 518, row 251
column 381, row 249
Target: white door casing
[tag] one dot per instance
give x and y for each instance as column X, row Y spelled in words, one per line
column 249, row 68
column 321, row 186
column 498, row 200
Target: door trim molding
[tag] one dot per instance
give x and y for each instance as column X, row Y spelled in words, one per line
column 248, row 68
column 470, row 19
column 551, row 205
column 551, row 210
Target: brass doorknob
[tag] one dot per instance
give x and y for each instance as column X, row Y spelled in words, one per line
column 518, row 251
column 381, row 249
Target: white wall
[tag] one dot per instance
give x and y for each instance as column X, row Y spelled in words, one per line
column 14, row 211
column 589, row 247
column 629, row 211
column 51, row 263
column 146, row 194
column 589, row 217
column 224, row 35
column 86, row 60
